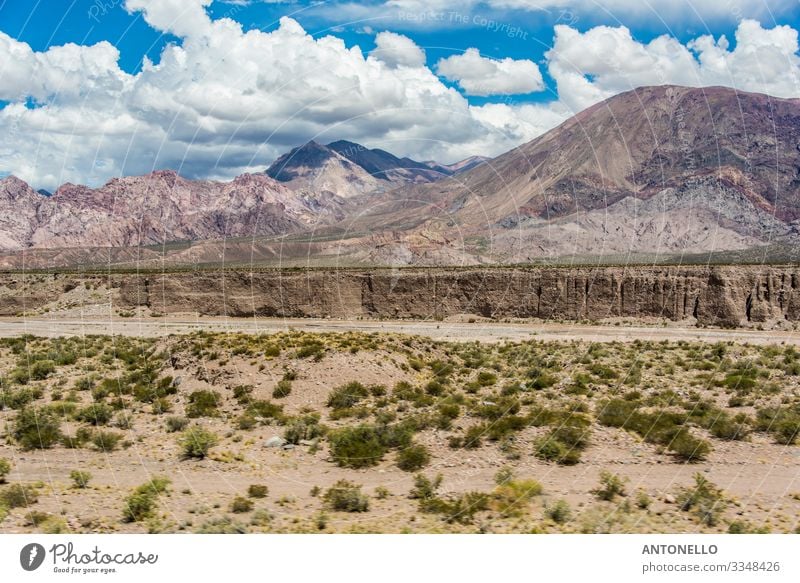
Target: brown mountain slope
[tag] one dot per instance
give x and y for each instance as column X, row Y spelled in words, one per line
column 157, row 208
column 653, row 170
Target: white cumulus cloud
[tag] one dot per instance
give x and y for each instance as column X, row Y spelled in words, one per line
column 478, row 75
column 223, row 101
column 604, row 61
column 396, row 49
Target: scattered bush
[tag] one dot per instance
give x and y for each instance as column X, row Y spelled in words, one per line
column 347, row 396
column 202, row 404
column 559, row 512
column 566, row 440
column 79, row 478
column 356, row 447
column 705, row 500
column 17, row 399
column 241, row 504
column 175, row 424
column 95, row 414
column 461, row 509
column 688, row 447
column 743, row 527
column 106, row 440
column 257, row 491
column 302, row 428
column 282, row 389
column 221, row 525
column 486, row 379
column 196, row 442
column 82, row 436
column 611, row 486
column 261, row 409
column 552, row 450
column 425, row 488
column 41, row 369
column 413, row 458
column 783, row 423
column 345, row 496
column 143, row 500
column 5, row 469
column 37, row 428
column 512, row 497
column 18, row 496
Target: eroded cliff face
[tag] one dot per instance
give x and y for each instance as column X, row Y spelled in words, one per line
column 715, row 296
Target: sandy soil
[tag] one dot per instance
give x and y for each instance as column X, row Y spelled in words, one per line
column 56, row 324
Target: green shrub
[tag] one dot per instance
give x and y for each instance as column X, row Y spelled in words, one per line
column 559, row 512
column 202, row 404
column 449, row 410
column 512, row 497
column 425, row 488
column 95, row 414
column 783, row 423
column 124, row 421
column 345, row 496
column 303, row 428
column 643, row 501
column 413, row 458
column 356, row 447
column 434, row 388
column 705, row 500
column 461, row 509
column 473, row 436
column 242, row 393
column 18, row 496
column 616, row 412
column 744, row 527
column 282, row 389
column 143, row 500
column 241, row 504
column 148, row 390
column 85, row 384
column 175, row 424
column 17, row 399
column 82, row 436
column 41, row 369
column 261, row 409
column 347, row 396
column 245, row 422
column 37, row 428
column 5, row 469
column 611, row 486
column 486, row 378
column 688, row 447
column 311, row 348
column 257, row 491
column 79, row 478
column 221, row 525
column 196, row 442
column 565, row 442
column 787, row 430
column 553, row 450
column 106, row 440
column 723, row 426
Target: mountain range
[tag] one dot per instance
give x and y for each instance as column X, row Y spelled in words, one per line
column 657, row 170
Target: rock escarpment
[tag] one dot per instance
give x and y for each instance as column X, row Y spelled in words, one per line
column 715, row 296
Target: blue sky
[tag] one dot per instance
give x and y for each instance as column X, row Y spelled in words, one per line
column 519, row 34
column 533, row 63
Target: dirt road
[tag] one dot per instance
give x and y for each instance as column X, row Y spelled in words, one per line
column 53, row 326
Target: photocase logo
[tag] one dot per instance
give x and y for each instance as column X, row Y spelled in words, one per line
column 31, row 556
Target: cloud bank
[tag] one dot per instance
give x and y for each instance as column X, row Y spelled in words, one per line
column 226, row 101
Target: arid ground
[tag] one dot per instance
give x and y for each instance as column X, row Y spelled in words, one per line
column 283, row 426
